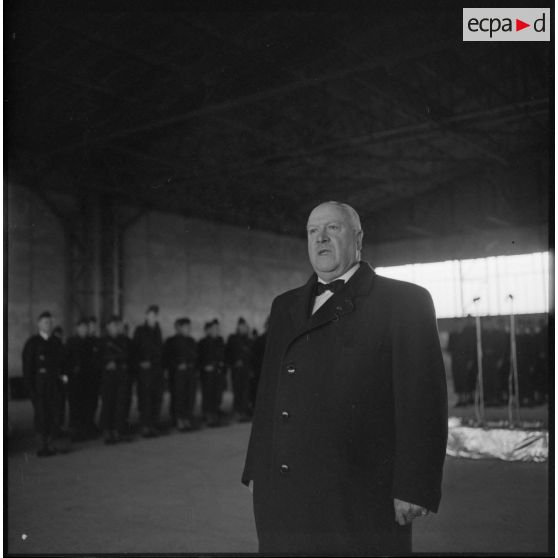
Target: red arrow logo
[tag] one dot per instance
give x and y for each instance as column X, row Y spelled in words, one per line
column 519, row 25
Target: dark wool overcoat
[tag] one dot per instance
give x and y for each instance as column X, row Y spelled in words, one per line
column 351, row 413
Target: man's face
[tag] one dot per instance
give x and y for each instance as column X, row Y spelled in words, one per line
column 214, row 330
column 242, row 329
column 92, row 328
column 151, row 318
column 45, row 326
column 333, row 244
column 184, row 330
column 82, row 330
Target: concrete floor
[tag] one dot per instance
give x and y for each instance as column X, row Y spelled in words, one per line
column 181, row 493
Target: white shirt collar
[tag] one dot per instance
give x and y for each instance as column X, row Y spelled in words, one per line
column 345, row 277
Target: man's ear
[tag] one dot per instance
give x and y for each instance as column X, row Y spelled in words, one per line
column 359, row 236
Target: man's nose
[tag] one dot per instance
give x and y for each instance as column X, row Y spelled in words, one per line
column 323, row 237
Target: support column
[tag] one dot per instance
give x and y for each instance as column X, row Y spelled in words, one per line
column 93, row 256
column 95, row 233
column 111, row 256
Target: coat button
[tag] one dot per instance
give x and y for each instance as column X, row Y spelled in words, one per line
column 284, row 469
column 291, row 369
column 285, row 415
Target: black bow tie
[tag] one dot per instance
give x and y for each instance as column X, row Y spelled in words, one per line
column 334, row 286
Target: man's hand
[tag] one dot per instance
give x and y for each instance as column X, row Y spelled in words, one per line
column 405, row 512
column 251, row 486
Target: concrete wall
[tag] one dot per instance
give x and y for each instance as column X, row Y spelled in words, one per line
column 35, row 271
column 205, row 270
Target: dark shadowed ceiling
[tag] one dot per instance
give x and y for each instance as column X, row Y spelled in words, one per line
column 252, row 117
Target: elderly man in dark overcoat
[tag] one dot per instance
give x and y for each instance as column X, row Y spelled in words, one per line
column 349, row 434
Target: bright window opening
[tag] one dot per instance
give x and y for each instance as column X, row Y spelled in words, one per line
column 454, row 284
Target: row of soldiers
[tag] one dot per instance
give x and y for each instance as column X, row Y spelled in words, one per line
column 532, row 362
column 111, row 367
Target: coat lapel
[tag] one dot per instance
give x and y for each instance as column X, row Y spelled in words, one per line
column 300, row 309
column 342, row 302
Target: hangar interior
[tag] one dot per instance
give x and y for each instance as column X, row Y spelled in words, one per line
column 173, row 158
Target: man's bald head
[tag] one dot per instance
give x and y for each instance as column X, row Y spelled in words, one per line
column 351, row 213
column 334, row 239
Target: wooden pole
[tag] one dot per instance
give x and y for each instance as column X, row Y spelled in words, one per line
column 479, row 391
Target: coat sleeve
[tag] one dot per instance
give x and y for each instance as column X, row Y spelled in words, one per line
column 420, row 399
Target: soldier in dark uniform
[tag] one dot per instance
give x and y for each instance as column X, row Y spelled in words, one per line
column 148, row 355
column 115, row 359
column 468, row 344
column 180, row 357
column 223, row 377
column 58, row 332
column 541, row 362
column 458, row 368
column 43, row 370
column 132, row 380
column 239, row 359
column 211, row 357
column 526, row 358
column 492, row 360
column 501, row 341
column 76, row 368
column 92, row 378
column 258, row 350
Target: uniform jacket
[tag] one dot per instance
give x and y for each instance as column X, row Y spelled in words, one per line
column 239, row 348
column 94, row 346
column 148, row 345
column 211, row 351
column 351, row 412
column 180, row 349
column 42, row 356
column 118, row 350
column 77, row 355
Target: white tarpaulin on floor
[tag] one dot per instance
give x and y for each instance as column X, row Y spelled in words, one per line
column 507, row 444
